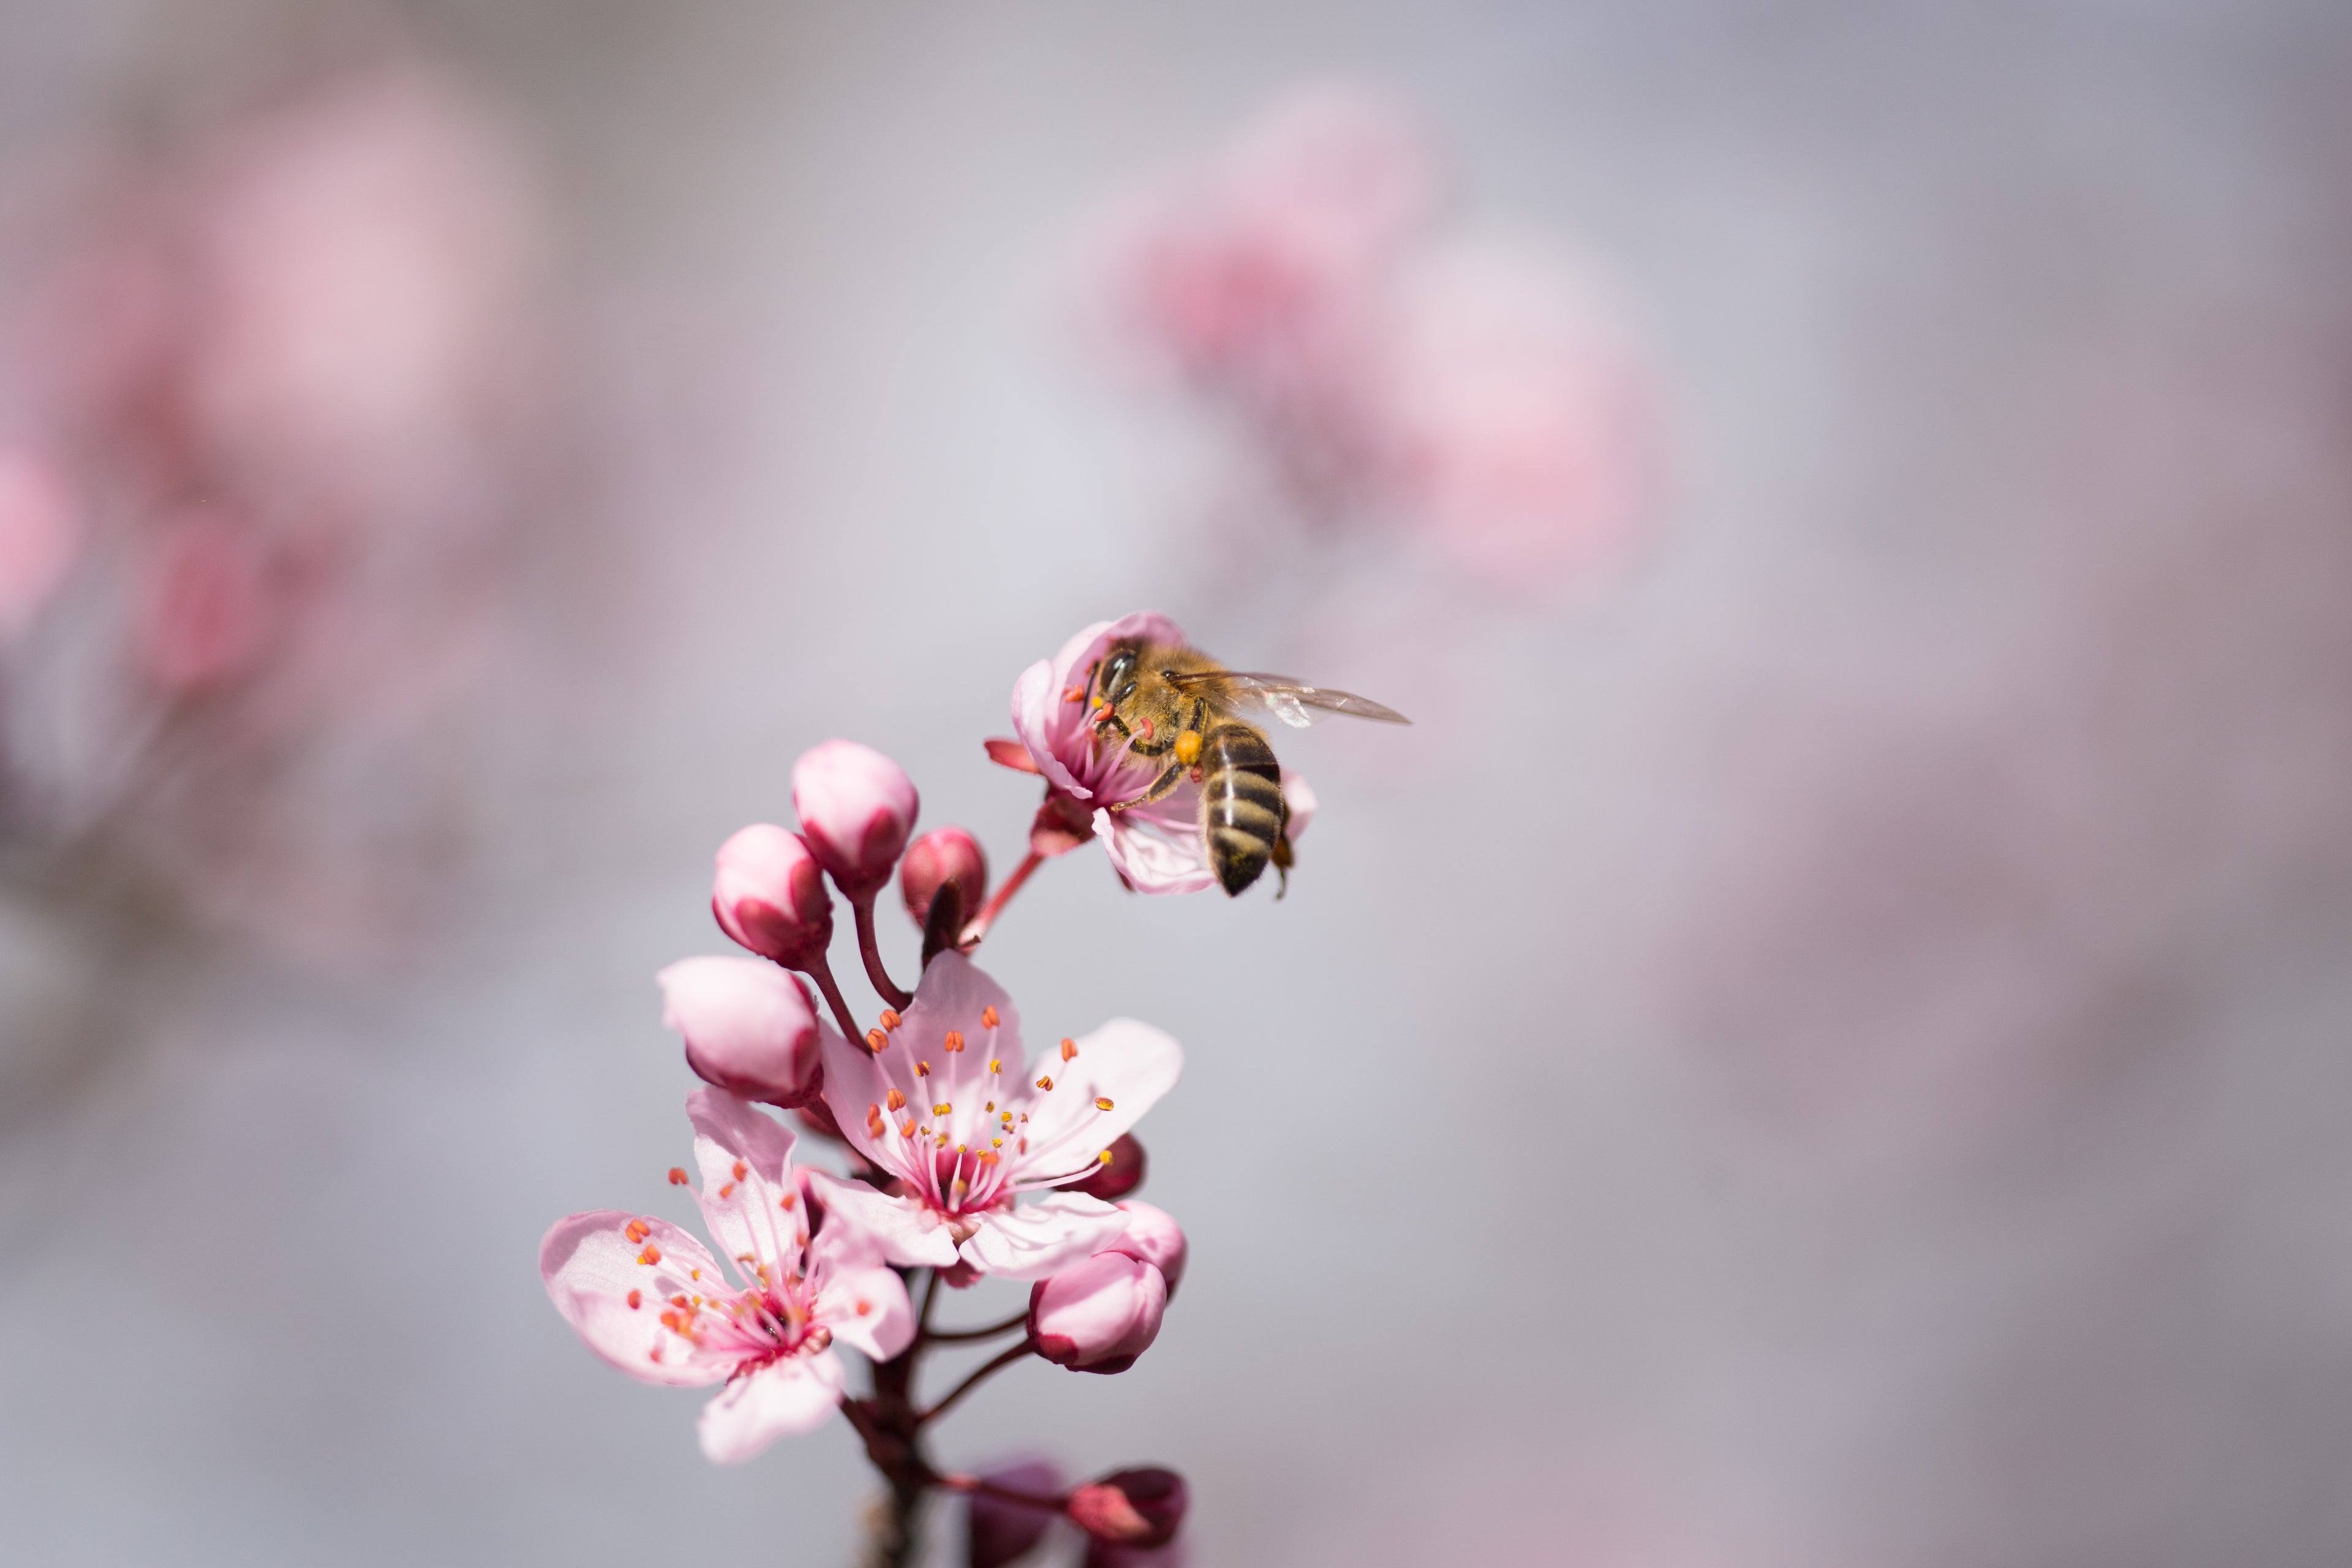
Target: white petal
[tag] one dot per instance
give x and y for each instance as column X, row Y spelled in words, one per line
column 1042, row 1237
column 795, row 1395
column 903, row 1229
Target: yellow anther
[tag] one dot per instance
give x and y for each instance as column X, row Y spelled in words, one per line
column 876, row 1041
column 994, row 1064
column 988, row 1018
column 996, row 1143
column 1102, row 1105
column 990, row 1105
column 1104, row 1157
column 1046, row 1083
column 955, row 1042
column 890, row 1019
column 897, row 1102
column 941, row 1108
column 923, row 1070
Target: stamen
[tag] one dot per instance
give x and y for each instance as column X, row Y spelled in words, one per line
column 1046, row 1083
column 1069, row 1050
column 677, row 1177
column 650, row 1255
column 729, row 1190
column 864, row 1308
column 654, row 1355
column 1099, row 1105
column 990, row 1105
column 897, row 1101
column 876, row 1041
column 995, row 1064
column 906, row 1128
column 941, row 1108
column 874, row 1121
column 789, row 1199
column 955, row 1040
column 923, row 1070
column 742, row 1170
column 637, row 1300
column 890, row 1019
column 988, row 1018
column 1103, row 1157
column 996, row 1143
column 636, row 1230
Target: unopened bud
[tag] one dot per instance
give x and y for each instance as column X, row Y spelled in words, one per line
column 749, row 1028
column 769, row 896
column 1000, row 1531
column 1138, row 1508
column 1116, row 1177
column 1153, row 1237
column 944, row 855
column 1099, row 1315
column 856, row 808
column 1106, row 1554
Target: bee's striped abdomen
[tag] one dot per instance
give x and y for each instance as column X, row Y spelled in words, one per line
column 1242, row 813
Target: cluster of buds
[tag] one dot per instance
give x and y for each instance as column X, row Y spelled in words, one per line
column 963, row 1154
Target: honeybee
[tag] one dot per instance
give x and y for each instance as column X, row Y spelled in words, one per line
column 1162, row 700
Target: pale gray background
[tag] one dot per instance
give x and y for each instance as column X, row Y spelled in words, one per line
column 1852, row 1073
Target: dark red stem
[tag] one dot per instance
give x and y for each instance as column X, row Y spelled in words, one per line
column 1002, row 897
column 866, row 950
column 980, row 1374
column 822, row 973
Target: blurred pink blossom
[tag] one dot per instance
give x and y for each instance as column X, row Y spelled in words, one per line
column 1381, row 365
column 39, row 534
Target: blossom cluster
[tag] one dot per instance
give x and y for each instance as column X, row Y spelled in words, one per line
column 964, row 1149
column 1382, row 364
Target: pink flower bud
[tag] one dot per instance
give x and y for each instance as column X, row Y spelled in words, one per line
column 1105, row 1554
column 998, row 1530
column 944, row 855
column 769, row 896
column 749, row 1028
column 856, row 808
column 1153, row 1237
column 1099, row 1315
column 1138, row 1508
column 1118, row 1175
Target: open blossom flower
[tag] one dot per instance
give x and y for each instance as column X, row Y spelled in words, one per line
column 1158, row 848
column 651, row 1299
column 947, row 1103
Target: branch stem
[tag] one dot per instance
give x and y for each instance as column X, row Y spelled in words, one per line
column 960, row 1336
column 822, row 975
column 980, row 1374
column 872, row 954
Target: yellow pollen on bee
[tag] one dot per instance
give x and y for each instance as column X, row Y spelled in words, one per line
column 897, row 1102
column 954, row 1041
column 988, row 1018
column 1188, row 748
column 941, row 1108
column 1046, row 1083
column 1069, row 1049
column 1102, row 1105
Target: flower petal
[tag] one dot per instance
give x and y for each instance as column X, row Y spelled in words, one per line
column 864, row 1304
column 1125, row 1063
column 1043, row 1236
column 793, row 1394
column 747, row 1214
column 1053, row 728
column 593, row 1268
column 903, row 1229
column 1153, row 858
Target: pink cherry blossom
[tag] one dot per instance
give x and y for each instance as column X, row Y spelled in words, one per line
column 749, row 1028
column 767, row 893
column 856, row 808
column 1098, row 1315
column 652, row 1300
column 948, row 1105
column 1157, row 848
column 40, row 531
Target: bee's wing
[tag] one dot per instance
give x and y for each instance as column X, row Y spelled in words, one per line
column 1294, row 702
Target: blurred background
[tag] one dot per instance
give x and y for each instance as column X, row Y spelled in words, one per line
column 1824, row 1045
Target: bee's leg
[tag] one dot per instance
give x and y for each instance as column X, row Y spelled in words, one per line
column 1283, row 861
column 1159, row 789
column 1188, row 740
